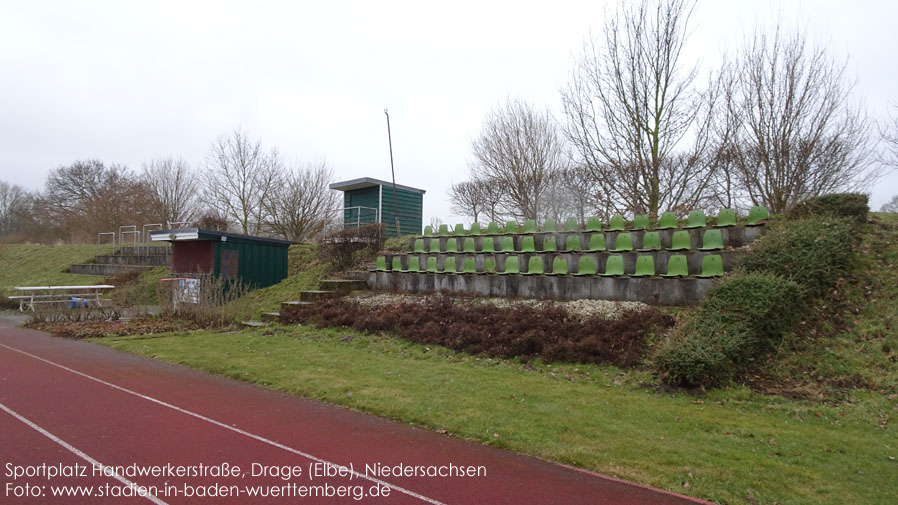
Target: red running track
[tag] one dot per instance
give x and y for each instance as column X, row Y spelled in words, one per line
column 116, row 428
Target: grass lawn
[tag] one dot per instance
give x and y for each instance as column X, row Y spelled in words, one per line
column 42, row 265
column 728, row 446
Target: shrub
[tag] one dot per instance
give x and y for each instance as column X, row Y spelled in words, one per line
column 545, row 331
column 849, row 205
column 342, row 250
column 744, row 317
column 813, row 252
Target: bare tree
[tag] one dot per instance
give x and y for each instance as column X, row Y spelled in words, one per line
column 239, row 177
column 173, row 189
column 891, row 205
column 519, row 150
column 795, row 134
column 635, row 117
column 13, row 199
column 87, row 197
column 889, row 137
column 298, row 207
column 467, row 199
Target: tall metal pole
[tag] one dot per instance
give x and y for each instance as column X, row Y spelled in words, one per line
column 393, row 171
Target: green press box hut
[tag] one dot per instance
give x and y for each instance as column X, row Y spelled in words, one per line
column 369, row 201
column 256, row 262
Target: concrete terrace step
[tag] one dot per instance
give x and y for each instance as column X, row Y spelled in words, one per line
column 105, row 269
column 271, row 316
column 357, row 275
column 343, row 285
column 134, row 259
column 314, row 295
column 254, row 324
column 294, row 303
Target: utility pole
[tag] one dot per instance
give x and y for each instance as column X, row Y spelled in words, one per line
column 393, row 171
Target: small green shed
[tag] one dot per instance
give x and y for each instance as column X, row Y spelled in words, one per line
column 369, row 201
column 256, row 262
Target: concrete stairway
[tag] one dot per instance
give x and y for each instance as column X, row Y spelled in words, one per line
column 130, row 260
column 327, row 288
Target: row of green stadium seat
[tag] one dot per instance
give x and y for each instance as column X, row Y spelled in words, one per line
column 712, row 240
column 727, row 217
column 712, row 266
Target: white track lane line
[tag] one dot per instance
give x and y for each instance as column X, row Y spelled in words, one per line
column 107, row 470
column 232, row 428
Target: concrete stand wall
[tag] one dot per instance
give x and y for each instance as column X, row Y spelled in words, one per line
column 652, row 290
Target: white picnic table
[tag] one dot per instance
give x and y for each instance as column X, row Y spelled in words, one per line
column 32, row 295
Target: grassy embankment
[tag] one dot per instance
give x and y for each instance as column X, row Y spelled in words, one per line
column 833, row 443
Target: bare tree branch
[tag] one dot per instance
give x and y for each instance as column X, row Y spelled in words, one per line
column 173, row 189
column 298, row 207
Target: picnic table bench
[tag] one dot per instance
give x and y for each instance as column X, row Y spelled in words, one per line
column 34, row 295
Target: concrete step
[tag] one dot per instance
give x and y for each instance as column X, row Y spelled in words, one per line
column 314, row 295
column 134, row 259
column 271, row 316
column 253, row 324
column 358, row 275
column 294, row 303
column 101, row 269
column 343, row 285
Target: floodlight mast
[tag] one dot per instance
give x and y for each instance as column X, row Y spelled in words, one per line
column 393, row 171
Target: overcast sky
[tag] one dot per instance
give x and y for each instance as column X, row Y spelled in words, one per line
column 127, row 81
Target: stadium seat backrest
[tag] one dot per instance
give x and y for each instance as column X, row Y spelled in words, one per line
column 444, row 230
column 530, row 226
column 712, row 240
column 414, row 264
column 697, row 219
column 726, row 217
column 492, row 228
column 512, row 265
column 594, row 224
column 419, row 245
column 677, row 266
column 586, row 265
column 623, row 242
column 681, row 241
column 487, row 244
column 527, row 244
column 397, row 264
column 597, row 242
column 559, row 266
column 757, row 215
column 428, row 231
column 712, row 266
column 468, row 246
column 617, row 223
column 571, row 225
column 614, row 265
column 550, row 226
column 469, row 266
column 668, row 220
column 572, row 243
column 431, row 264
column 535, row 265
column 641, row 222
column 549, row 244
column 645, row 265
column 651, row 241
column 507, row 244
column 489, row 265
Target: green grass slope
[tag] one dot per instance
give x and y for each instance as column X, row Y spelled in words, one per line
column 42, row 265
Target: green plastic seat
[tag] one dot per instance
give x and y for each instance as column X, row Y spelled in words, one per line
column 696, row 219
column 492, row 228
column 623, row 242
column 617, row 223
column 726, row 217
column 511, row 228
column 512, row 266
column 527, row 244
column 397, row 264
column 468, row 246
column 677, row 266
column 444, row 230
column 645, row 266
column 651, row 241
column 572, row 243
column 641, row 222
column 414, row 264
column 428, row 231
column 475, row 229
column 419, row 245
column 614, row 265
column 530, row 226
column 449, row 266
column 469, row 266
column 758, row 215
column 459, row 230
column 586, row 265
column 489, row 265
column 535, row 265
column 452, row 245
column 431, row 264
column 596, row 242
column 381, row 264
column 559, row 266
column 487, row 245
column 507, row 245
column 550, row 226
column 549, row 244
column 712, row 240
column 593, row 224
column 681, row 241
column 571, row 225
column 434, row 245
column 712, row 266
column 668, row 220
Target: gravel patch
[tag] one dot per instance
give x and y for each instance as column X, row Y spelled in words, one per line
column 581, row 309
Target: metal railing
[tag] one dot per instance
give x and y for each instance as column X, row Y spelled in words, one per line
column 100, row 235
column 358, row 217
column 146, row 236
